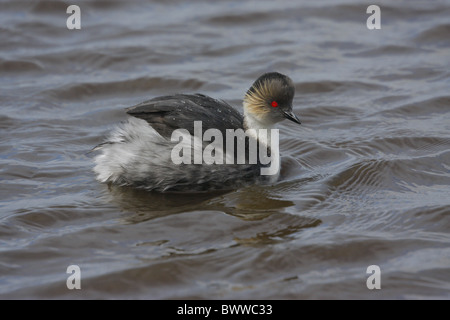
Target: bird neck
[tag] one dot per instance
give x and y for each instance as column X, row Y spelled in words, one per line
column 252, row 122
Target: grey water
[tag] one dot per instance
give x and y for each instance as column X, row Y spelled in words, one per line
column 365, row 178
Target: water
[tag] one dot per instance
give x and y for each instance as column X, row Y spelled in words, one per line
column 365, row 178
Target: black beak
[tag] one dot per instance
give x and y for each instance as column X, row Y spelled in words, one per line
column 291, row 116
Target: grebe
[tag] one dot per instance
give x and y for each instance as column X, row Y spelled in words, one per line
column 140, row 151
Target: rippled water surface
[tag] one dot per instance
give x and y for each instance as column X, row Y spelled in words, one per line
column 365, row 179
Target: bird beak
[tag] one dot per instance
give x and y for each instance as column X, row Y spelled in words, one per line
column 291, row 116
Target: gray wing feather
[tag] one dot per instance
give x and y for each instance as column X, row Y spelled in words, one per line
column 168, row 113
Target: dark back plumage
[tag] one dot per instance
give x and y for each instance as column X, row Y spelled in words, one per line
column 168, row 113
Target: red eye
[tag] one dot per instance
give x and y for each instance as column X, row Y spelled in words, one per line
column 274, row 104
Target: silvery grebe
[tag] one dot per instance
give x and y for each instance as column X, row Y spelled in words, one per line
column 140, row 151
